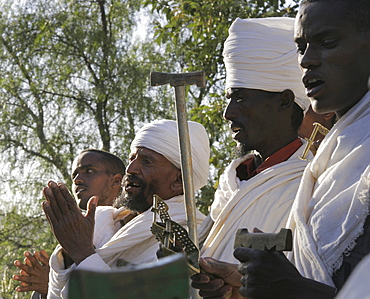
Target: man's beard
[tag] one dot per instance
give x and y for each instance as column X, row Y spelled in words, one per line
column 241, row 150
column 137, row 202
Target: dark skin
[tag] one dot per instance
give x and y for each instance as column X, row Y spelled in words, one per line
column 262, row 121
column 311, row 117
column 271, row 275
column 157, row 175
column 90, row 177
column 326, row 119
column 34, row 274
column 334, row 57
column 74, row 231
column 224, row 282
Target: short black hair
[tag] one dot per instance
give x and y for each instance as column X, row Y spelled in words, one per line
column 113, row 163
column 358, row 12
column 297, row 116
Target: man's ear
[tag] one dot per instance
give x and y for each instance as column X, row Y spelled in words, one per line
column 176, row 185
column 287, row 99
column 117, row 179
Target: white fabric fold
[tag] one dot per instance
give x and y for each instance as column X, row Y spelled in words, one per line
column 264, row 201
column 161, row 136
column 134, row 243
column 261, row 54
column 333, row 199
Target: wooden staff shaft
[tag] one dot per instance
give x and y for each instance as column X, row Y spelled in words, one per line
column 186, row 162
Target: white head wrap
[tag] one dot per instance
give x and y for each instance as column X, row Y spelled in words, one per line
column 261, row 54
column 161, row 136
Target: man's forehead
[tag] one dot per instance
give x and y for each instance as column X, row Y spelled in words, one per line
column 144, row 151
column 305, row 18
column 87, row 159
column 235, row 90
column 319, row 18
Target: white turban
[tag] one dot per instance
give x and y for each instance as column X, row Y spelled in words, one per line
column 161, row 136
column 261, row 54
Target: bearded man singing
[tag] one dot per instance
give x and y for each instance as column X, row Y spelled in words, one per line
column 154, row 168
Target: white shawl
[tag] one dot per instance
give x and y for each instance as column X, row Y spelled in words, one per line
column 333, row 198
column 263, row 201
column 133, row 243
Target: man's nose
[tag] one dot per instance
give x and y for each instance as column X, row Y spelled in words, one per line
column 230, row 111
column 310, row 58
column 78, row 179
column 133, row 167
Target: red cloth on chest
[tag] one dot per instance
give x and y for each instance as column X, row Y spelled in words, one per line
column 281, row 155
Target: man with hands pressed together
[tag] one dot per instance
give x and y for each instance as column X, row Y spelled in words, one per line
column 97, row 241
column 94, row 172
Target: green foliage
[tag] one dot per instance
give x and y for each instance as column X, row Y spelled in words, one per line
column 19, row 233
column 194, row 33
column 195, row 30
column 74, row 75
column 72, row 78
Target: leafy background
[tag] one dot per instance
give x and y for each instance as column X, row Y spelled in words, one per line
column 75, row 75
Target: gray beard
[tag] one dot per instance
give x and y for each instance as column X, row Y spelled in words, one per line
column 135, row 203
column 241, row 150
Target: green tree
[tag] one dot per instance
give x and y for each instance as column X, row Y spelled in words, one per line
column 73, row 76
column 194, row 32
column 19, row 233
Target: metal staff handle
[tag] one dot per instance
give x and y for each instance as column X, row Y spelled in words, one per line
column 179, row 80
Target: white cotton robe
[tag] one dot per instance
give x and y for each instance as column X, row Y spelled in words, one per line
column 264, row 201
column 133, row 243
column 333, row 199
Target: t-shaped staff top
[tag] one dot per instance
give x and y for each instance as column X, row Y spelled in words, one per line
column 178, row 79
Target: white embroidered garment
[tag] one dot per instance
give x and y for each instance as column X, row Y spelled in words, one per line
column 133, row 243
column 264, row 201
column 333, row 199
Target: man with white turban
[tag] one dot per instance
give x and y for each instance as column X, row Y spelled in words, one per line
column 154, row 168
column 266, row 108
column 330, row 215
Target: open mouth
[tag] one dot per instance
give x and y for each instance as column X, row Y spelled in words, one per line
column 313, row 85
column 79, row 190
column 131, row 185
column 313, row 82
column 235, row 129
